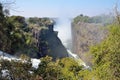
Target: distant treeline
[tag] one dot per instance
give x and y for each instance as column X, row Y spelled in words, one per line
column 104, row 19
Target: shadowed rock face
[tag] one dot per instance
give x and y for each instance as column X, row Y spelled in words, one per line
column 49, row 43
column 85, row 35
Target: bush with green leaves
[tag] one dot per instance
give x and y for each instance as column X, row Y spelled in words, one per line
column 16, row 69
column 61, row 69
column 106, row 56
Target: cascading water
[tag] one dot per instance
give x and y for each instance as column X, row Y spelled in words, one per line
column 63, row 26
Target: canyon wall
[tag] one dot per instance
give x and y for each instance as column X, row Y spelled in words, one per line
column 48, row 42
column 85, row 35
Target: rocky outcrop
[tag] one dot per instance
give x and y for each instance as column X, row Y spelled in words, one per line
column 85, row 35
column 49, row 43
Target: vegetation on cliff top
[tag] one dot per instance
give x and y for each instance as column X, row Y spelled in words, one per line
column 16, row 35
column 104, row 19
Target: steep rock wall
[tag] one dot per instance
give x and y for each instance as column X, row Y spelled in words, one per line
column 49, row 43
column 85, row 35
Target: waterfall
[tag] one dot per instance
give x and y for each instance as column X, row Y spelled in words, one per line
column 63, row 26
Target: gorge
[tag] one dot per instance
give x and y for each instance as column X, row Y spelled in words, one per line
column 59, row 40
column 81, row 35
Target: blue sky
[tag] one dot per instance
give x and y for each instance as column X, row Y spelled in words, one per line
column 62, row 8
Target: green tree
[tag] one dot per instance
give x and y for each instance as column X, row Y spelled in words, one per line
column 17, row 69
column 81, row 18
column 63, row 69
column 4, row 31
column 106, row 56
column 48, row 69
column 70, row 69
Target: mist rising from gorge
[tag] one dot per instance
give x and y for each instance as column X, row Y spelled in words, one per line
column 63, row 26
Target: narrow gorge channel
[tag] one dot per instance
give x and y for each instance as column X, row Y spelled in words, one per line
column 63, row 26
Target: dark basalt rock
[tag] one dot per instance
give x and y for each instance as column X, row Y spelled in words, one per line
column 49, row 43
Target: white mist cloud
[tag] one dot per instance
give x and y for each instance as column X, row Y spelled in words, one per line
column 63, row 26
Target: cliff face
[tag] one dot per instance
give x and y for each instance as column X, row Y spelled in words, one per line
column 85, row 35
column 49, row 44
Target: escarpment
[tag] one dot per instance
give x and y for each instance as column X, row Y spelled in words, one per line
column 34, row 37
column 85, row 35
column 48, row 42
column 89, row 31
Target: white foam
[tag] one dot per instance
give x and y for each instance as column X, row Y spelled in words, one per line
column 5, row 56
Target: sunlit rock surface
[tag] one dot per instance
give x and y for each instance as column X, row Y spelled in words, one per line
column 85, row 35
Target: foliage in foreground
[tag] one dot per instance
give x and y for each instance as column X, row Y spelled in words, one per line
column 106, row 57
column 64, row 69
